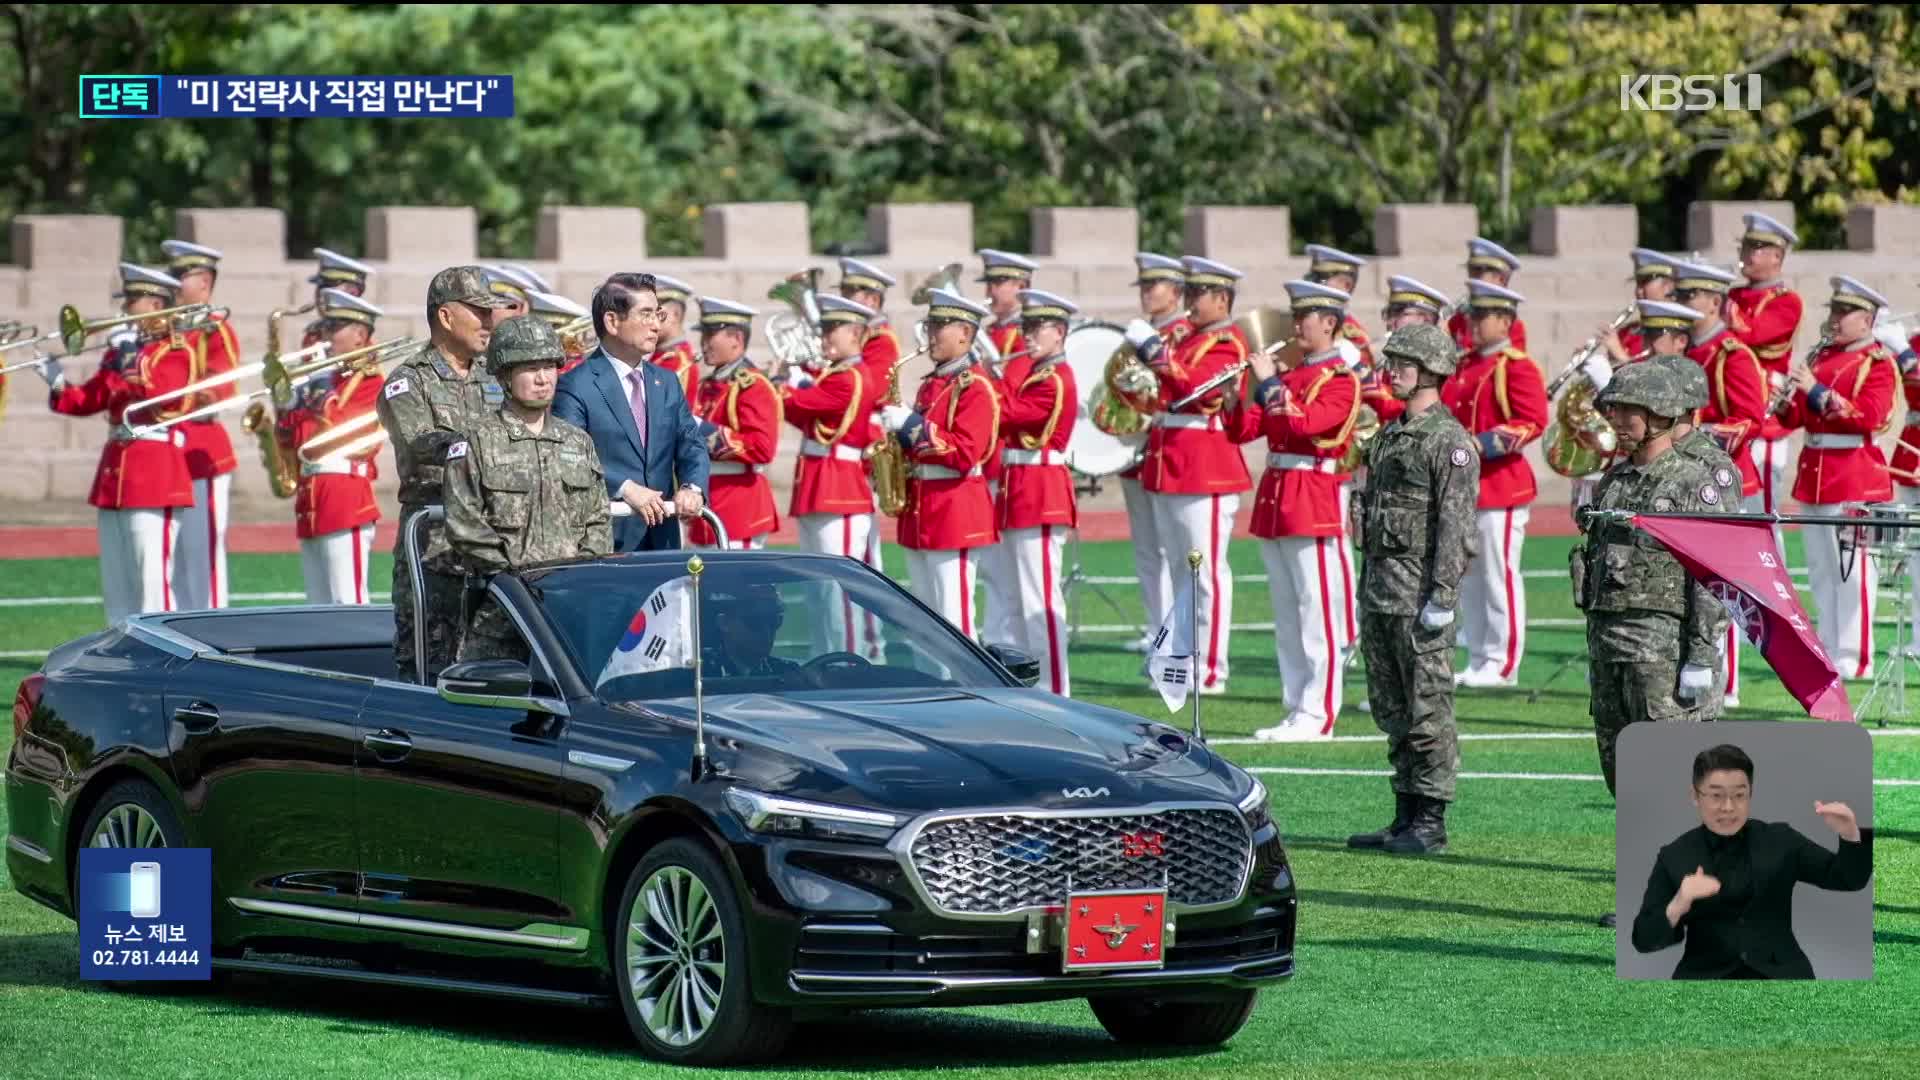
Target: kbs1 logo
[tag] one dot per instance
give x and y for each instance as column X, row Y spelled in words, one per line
column 1689, row 93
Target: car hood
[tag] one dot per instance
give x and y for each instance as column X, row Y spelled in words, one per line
column 946, row 749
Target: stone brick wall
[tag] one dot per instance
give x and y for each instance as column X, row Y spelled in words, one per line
column 1575, row 279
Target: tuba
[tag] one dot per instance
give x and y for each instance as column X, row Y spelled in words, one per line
column 1366, row 425
column 886, row 458
column 944, row 278
column 793, row 335
column 1579, row 440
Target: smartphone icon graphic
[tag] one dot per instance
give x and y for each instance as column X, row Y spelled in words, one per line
column 146, row 890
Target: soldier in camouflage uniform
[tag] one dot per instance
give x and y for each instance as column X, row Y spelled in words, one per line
column 427, row 405
column 1694, row 441
column 1418, row 538
column 525, row 486
column 1652, row 630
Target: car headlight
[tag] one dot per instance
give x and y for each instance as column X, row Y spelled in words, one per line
column 1253, row 806
column 765, row 813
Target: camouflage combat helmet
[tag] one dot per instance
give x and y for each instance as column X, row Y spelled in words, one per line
column 1427, row 346
column 1650, row 385
column 523, row 339
column 1689, row 377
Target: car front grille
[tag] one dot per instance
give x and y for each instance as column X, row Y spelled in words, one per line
column 998, row 864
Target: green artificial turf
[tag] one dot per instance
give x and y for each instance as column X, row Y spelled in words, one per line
column 1482, row 962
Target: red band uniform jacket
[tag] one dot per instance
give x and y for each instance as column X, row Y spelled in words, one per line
column 1307, row 415
column 1851, row 402
column 1040, row 408
column 149, row 473
column 830, row 476
column 1192, row 452
column 332, row 495
column 1498, row 395
column 1766, row 317
column 740, row 401
column 957, row 426
column 216, row 351
column 1737, row 394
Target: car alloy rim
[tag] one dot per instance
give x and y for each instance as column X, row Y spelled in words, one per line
column 129, row 826
column 676, row 956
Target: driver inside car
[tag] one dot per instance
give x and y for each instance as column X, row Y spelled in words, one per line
column 742, row 623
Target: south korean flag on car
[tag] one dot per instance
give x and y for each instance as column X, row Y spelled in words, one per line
column 658, row 637
column 1170, row 658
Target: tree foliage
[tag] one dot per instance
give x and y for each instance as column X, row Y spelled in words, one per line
column 1333, row 110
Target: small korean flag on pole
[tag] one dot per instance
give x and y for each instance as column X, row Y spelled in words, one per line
column 660, row 636
column 1170, row 659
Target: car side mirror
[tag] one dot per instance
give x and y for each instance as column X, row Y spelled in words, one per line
column 1018, row 664
column 496, row 684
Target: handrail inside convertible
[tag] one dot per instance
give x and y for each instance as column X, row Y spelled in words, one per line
column 411, row 532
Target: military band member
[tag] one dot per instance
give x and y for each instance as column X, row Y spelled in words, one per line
column 1424, row 478
column 1498, row 395
column 200, row 562
column 1409, row 303
column 1653, row 631
column 1491, row 263
column 1660, row 327
column 1652, row 280
column 1764, row 313
column 1160, row 281
column 1307, row 415
column 530, row 276
column 1037, row 505
column 740, row 411
column 953, row 425
column 524, row 487
column 1737, row 386
column 142, row 487
column 429, row 403
column 675, row 353
column 557, row 311
column 1904, row 468
column 1005, row 275
column 513, row 287
column 1193, row 472
column 334, row 508
column 867, row 285
column 832, row 502
column 336, row 272
column 1335, row 268
column 1843, row 398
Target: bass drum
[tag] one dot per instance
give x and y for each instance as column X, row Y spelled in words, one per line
column 1091, row 451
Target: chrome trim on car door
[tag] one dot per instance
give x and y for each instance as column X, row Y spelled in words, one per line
column 31, row 851
column 539, row 935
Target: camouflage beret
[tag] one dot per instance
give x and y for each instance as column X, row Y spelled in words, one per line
column 1649, row 385
column 1427, row 346
column 523, row 339
column 1689, row 378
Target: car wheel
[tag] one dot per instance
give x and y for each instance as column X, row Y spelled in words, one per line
column 132, row 814
column 680, row 961
column 1149, row 1021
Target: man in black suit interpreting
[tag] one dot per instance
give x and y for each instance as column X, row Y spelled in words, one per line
column 1726, row 888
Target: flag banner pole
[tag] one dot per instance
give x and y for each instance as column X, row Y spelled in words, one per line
column 695, row 567
column 1193, row 567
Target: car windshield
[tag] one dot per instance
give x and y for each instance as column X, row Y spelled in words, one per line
column 766, row 624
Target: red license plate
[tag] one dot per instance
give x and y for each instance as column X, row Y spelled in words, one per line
column 1116, row 930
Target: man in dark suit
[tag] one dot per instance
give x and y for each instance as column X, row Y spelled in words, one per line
column 646, row 435
column 1726, row 888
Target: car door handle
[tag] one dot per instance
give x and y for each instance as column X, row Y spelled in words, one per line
column 388, row 744
column 197, row 716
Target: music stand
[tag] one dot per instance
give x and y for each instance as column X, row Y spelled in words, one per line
column 1895, row 550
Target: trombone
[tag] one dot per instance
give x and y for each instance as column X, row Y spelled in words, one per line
column 74, row 330
column 282, row 379
column 354, row 432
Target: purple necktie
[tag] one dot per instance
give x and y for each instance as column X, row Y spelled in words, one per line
column 639, row 400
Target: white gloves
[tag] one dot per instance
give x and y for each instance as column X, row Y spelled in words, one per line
column 1139, row 331
column 894, row 417
column 1349, row 353
column 1433, row 618
column 1694, row 681
column 1890, row 336
column 1599, row 371
column 50, row 370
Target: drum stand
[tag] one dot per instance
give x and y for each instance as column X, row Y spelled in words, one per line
column 1077, row 577
column 1890, row 678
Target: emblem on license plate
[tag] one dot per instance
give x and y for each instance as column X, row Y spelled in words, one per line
column 1121, row 929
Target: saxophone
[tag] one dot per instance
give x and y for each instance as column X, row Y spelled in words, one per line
column 887, row 459
column 261, row 423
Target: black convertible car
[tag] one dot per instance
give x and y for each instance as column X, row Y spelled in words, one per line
column 804, row 830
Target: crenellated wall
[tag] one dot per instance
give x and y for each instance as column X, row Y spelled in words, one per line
column 1576, row 277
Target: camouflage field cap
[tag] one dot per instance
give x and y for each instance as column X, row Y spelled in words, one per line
column 523, row 339
column 1650, row 385
column 464, row 285
column 1689, row 377
column 1428, row 346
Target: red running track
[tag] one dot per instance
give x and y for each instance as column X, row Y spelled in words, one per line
column 51, row 542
